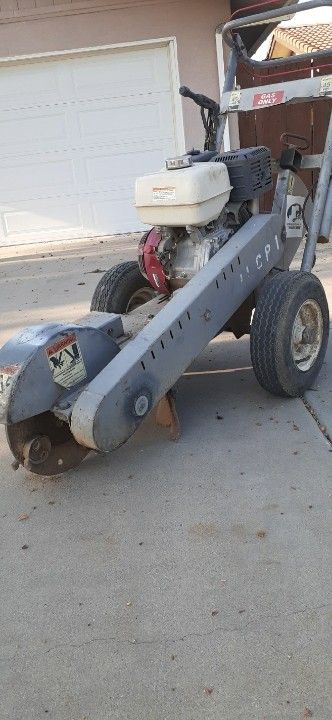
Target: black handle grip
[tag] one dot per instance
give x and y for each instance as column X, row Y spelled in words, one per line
column 200, row 100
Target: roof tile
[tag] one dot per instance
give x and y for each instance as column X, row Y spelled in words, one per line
column 305, row 38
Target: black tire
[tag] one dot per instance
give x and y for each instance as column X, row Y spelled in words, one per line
column 284, row 364
column 121, row 289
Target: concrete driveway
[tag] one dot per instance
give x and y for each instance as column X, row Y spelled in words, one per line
column 168, row 581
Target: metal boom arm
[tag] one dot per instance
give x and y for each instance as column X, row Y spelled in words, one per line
column 111, row 407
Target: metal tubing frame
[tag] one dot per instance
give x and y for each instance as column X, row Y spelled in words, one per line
column 326, row 226
column 228, row 86
column 239, row 52
column 319, row 203
column 264, row 18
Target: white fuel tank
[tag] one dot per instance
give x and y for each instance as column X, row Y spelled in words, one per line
column 189, row 196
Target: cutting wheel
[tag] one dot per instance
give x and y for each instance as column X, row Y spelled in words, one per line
column 44, row 445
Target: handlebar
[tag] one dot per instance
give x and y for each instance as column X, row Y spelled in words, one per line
column 262, row 18
column 201, row 100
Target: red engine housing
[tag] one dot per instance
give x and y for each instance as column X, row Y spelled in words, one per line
column 149, row 263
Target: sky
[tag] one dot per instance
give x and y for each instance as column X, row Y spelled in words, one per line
column 307, row 17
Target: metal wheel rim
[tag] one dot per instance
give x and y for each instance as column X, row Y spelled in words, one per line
column 140, row 297
column 307, row 335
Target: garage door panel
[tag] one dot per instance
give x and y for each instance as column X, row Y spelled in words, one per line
column 118, row 215
column 34, row 130
column 112, row 170
column 69, row 161
column 150, row 117
column 150, row 69
column 33, row 179
column 21, row 84
column 126, row 146
column 114, row 120
column 44, row 216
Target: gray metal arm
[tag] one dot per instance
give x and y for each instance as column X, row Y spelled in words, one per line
column 228, row 86
column 293, row 91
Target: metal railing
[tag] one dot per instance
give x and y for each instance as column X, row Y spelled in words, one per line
column 234, row 41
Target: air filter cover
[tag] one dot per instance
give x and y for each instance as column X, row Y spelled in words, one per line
column 250, row 171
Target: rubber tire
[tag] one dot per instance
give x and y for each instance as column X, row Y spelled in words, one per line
column 117, row 286
column 271, row 330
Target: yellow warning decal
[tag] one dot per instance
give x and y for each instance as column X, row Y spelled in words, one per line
column 234, row 99
column 326, row 85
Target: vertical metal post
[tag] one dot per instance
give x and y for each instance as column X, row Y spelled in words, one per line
column 228, row 85
column 326, row 226
column 319, row 203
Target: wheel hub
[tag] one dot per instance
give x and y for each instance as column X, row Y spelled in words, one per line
column 37, row 450
column 140, row 297
column 307, row 335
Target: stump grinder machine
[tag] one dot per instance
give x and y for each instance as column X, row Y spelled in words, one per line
column 211, row 262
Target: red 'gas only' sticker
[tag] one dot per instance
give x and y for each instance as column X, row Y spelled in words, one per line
column 266, row 99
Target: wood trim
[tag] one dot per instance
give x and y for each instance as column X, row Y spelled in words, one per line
column 177, row 103
column 66, row 9
column 91, row 49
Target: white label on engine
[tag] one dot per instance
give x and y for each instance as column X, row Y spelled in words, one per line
column 294, row 216
column 164, row 193
column 66, row 361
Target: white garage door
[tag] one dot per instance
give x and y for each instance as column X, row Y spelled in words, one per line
column 74, row 134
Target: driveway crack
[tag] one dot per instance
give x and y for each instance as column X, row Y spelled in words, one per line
column 181, row 638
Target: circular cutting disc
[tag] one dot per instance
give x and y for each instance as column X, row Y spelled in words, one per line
column 44, row 445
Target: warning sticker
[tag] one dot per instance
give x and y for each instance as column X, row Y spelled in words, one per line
column 294, row 216
column 266, row 99
column 66, row 361
column 326, row 85
column 6, row 378
column 234, row 99
column 164, row 193
column 291, row 184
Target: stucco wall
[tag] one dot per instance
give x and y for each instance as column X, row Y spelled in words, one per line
column 37, row 26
